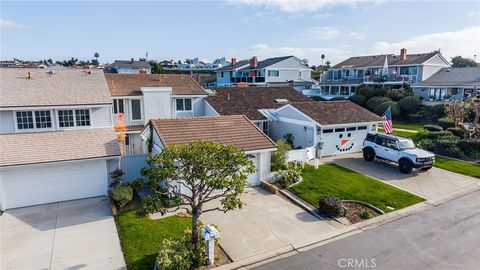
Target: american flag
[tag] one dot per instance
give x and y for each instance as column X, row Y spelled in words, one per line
column 387, row 125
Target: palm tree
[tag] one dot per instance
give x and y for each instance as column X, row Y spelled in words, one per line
column 96, row 56
column 323, row 57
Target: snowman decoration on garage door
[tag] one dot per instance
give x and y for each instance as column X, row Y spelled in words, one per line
column 346, row 142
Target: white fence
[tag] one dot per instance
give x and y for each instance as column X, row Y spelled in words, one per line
column 302, row 155
column 131, row 166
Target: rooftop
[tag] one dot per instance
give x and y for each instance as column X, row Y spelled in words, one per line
column 233, row 130
column 336, row 112
column 130, row 84
column 131, row 64
column 248, row 100
column 238, row 65
column 468, row 76
column 268, row 62
column 43, row 88
column 379, row 60
column 55, row 146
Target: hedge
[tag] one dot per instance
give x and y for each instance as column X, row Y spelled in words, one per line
column 446, row 123
column 382, row 108
column 433, row 128
column 374, row 102
column 457, row 131
column 409, row 104
column 358, row 99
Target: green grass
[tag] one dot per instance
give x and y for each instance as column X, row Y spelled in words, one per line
column 141, row 237
column 405, row 134
column 332, row 179
column 416, row 127
column 456, row 166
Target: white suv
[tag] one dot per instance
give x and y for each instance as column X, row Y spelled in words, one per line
column 397, row 149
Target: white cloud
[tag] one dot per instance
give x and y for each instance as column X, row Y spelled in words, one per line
column 464, row 42
column 262, row 51
column 357, row 35
column 12, row 24
column 294, row 5
column 323, row 33
column 474, row 13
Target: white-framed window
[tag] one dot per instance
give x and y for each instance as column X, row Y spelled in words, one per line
column 74, row 118
column 273, row 73
column 183, row 104
column 136, row 109
column 33, row 120
column 118, row 106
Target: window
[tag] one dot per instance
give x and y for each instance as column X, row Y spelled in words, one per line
column 351, row 128
column 328, row 131
column 43, row 119
column 82, row 117
column 118, row 106
column 221, row 74
column 24, row 120
column 339, row 130
column 184, row 104
column 65, row 118
column 362, row 127
column 136, row 109
column 273, row 73
column 299, row 74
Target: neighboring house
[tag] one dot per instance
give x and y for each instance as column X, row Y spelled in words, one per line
column 132, row 67
column 194, row 65
column 56, row 136
column 277, row 71
column 386, row 70
column 233, row 130
column 141, row 97
column 325, row 128
column 450, row 84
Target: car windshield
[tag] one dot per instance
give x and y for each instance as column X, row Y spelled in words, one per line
column 406, row 144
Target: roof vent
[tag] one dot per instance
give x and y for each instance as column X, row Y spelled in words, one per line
column 281, row 100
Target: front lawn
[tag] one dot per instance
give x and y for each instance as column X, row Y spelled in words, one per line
column 456, row 166
column 400, row 133
column 141, row 237
column 332, row 179
column 415, row 127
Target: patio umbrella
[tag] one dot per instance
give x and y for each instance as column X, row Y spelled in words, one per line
column 385, row 66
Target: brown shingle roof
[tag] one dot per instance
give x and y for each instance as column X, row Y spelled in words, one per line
column 248, row 100
column 336, row 112
column 234, row 130
column 379, row 60
column 64, row 87
column 129, row 84
column 57, row 146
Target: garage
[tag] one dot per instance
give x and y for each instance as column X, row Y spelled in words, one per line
column 252, row 179
column 32, row 185
column 343, row 139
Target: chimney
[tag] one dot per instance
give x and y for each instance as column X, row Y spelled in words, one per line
column 403, row 54
column 132, row 60
column 143, row 71
column 29, row 75
column 253, row 62
column 234, row 61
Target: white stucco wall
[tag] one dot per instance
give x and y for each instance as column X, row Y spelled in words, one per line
column 157, row 102
column 303, row 135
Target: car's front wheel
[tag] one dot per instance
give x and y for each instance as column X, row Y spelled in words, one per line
column 404, row 166
column 368, row 154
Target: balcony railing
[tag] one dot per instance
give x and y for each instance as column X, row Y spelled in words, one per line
column 247, row 79
column 391, row 79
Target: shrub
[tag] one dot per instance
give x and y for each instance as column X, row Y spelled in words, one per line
column 434, row 135
column 426, row 144
column 157, row 203
column 375, row 102
column 409, row 104
column 447, row 148
column 358, row 99
column 456, row 131
column 331, row 206
column 337, row 98
column 289, row 139
column 366, row 91
column 279, row 157
column 470, row 148
column 382, row 108
column 396, row 94
column 365, row 214
column 180, row 254
column 291, row 175
column 122, row 194
column 433, row 128
column 415, row 117
column 446, row 123
column 316, row 98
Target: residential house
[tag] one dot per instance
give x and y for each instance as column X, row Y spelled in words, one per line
column 233, row 130
column 322, row 128
column 450, row 84
column 132, row 67
column 378, row 70
column 194, row 64
column 277, row 71
column 56, row 136
column 141, row 97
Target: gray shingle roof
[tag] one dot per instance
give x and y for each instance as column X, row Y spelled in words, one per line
column 379, row 60
column 268, row 62
column 238, row 65
column 469, row 76
column 64, row 87
column 128, row 63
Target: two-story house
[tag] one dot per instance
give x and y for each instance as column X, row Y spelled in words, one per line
column 56, row 136
column 378, row 70
column 277, row 71
column 141, row 97
column 132, row 67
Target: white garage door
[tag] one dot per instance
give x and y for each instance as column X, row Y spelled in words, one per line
column 253, row 177
column 343, row 140
column 31, row 185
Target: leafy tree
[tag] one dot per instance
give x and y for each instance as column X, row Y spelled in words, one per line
column 304, row 62
column 156, row 67
column 323, row 57
column 96, row 55
column 459, row 61
column 279, row 157
column 209, row 171
column 459, row 110
column 410, row 104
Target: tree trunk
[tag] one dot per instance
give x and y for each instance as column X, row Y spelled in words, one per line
column 195, row 216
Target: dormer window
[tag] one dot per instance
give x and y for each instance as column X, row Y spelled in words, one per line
column 74, row 118
column 184, row 104
column 33, row 120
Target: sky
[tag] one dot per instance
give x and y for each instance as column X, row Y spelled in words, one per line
column 236, row 28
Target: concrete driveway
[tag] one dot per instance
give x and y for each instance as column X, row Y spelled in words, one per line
column 432, row 184
column 265, row 224
column 78, row 234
